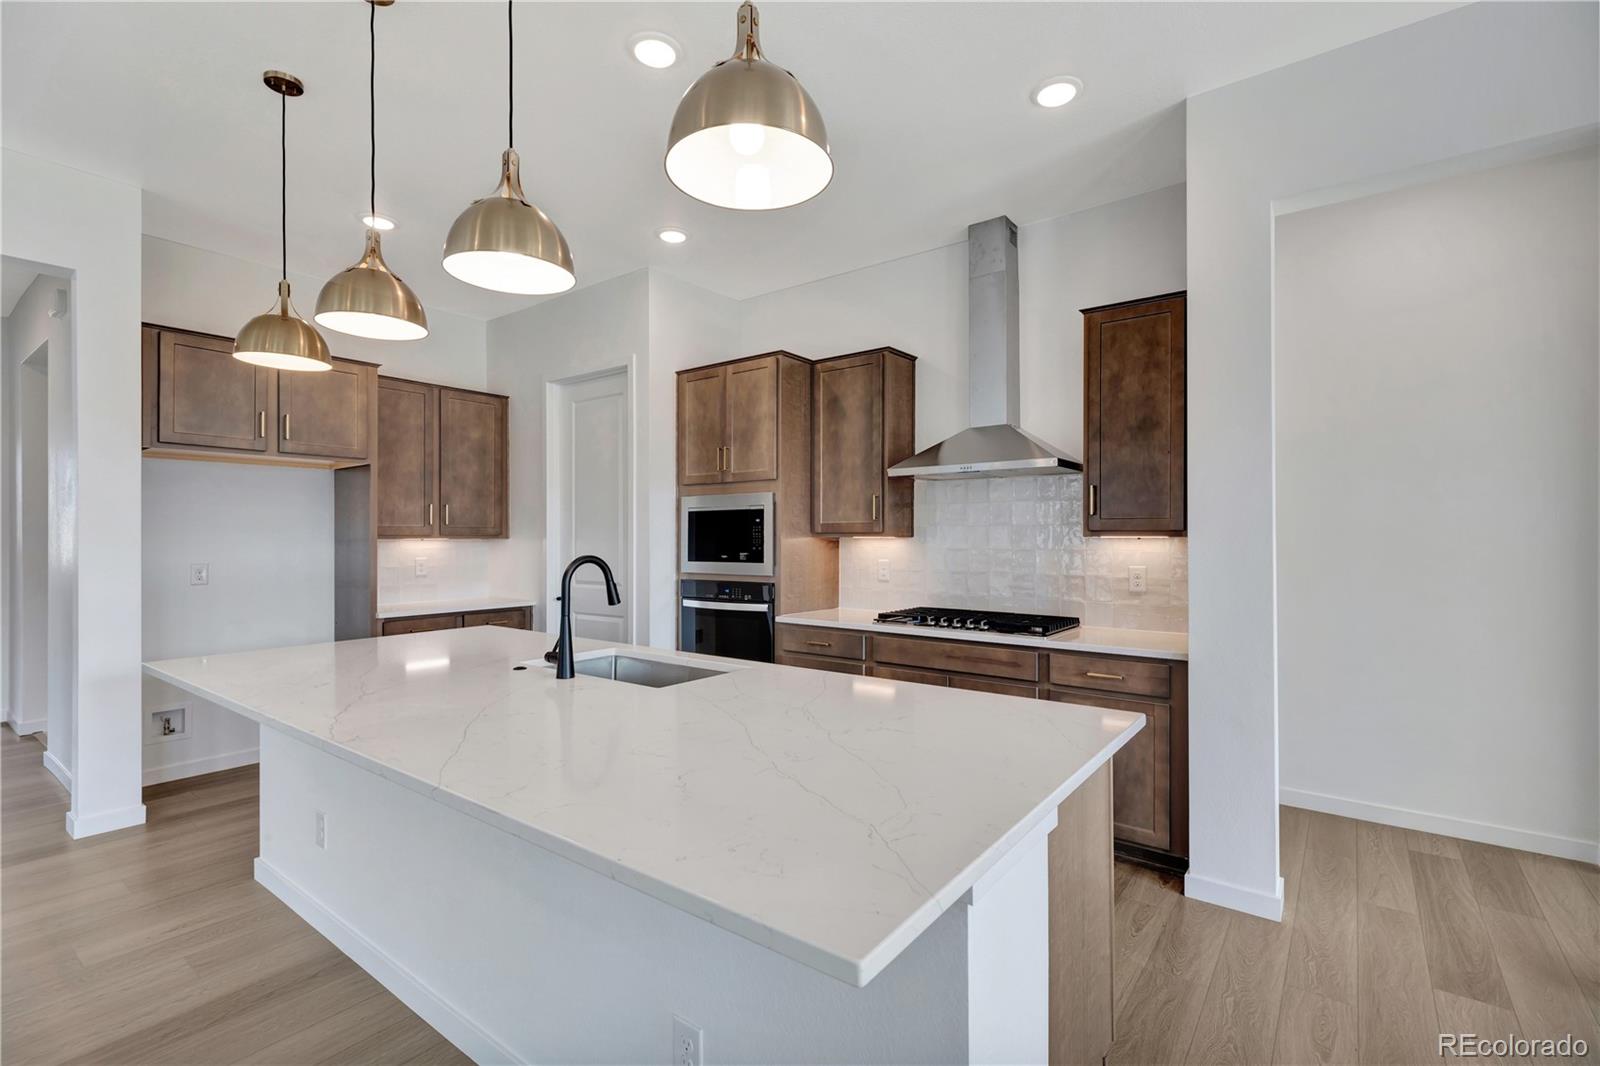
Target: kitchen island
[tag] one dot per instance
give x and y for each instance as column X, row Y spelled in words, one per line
column 807, row 867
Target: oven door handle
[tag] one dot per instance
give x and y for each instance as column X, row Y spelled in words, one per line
column 714, row 605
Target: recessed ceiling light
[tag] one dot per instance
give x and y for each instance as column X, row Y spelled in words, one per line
column 654, row 50
column 1057, row 92
column 672, row 236
column 381, row 223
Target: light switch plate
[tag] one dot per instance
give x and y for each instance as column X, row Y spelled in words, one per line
column 199, row 573
column 1136, row 578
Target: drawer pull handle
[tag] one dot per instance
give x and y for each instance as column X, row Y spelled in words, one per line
column 286, row 425
column 261, row 425
column 430, row 514
column 820, row 643
column 874, row 506
column 1103, row 677
column 502, row 622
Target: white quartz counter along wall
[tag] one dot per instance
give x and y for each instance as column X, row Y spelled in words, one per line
column 1017, row 544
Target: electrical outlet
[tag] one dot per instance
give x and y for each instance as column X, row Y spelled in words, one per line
column 688, row 1043
column 199, row 573
column 322, row 830
column 1136, row 578
column 421, row 566
column 883, row 570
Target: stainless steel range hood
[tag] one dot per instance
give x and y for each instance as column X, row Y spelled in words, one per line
column 994, row 446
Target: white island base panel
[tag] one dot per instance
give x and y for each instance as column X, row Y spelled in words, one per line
column 518, row 955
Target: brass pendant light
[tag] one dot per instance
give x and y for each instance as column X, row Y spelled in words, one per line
column 281, row 339
column 369, row 299
column 747, row 135
column 503, row 242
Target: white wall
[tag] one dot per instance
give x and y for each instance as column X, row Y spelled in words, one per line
column 1411, row 98
column 266, row 535
column 601, row 327
column 1437, row 511
column 89, row 227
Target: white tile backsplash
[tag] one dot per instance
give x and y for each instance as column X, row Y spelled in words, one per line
column 1017, row 544
column 457, row 569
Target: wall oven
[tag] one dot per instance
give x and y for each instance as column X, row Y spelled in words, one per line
column 727, row 535
column 731, row 618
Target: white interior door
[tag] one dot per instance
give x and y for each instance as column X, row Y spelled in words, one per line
column 594, row 499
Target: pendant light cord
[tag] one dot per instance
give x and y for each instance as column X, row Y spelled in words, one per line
column 283, row 173
column 511, row 81
column 372, row 109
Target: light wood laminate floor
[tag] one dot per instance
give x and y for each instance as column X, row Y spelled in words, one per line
column 1389, row 938
column 155, row 945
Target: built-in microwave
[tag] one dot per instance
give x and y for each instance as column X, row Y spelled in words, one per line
column 729, row 534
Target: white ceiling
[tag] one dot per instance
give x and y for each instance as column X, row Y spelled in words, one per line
column 926, row 103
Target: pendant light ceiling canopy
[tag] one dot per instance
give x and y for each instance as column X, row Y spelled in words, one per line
column 369, row 299
column 281, row 339
column 503, row 242
column 747, row 135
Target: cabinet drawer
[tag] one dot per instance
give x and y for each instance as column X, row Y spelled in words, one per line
column 987, row 659
column 1141, row 776
column 516, row 618
column 423, row 624
column 1133, row 676
column 921, row 677
column 817, row 662
column 1002, row 688
column 809, row 640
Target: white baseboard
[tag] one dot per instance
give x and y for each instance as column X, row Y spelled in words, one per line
column 455, row 1026
column 88, row 825
column 210, row 764
column 1236, row 897
column 28, row 728
column 58, row 769
column 1444, row 825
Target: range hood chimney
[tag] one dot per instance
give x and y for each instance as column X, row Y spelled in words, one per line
column 994, row 446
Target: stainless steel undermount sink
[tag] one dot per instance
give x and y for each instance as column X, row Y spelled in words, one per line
column 636, row 670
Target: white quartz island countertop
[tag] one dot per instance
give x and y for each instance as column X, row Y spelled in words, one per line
column 827, row 817
column 1098, row 640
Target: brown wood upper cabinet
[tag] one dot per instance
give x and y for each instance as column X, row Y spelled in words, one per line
column 863, row 422
column 1134, row 416
column 325, row 413
column 442, row 461
column 728, row 422
column 198, row 399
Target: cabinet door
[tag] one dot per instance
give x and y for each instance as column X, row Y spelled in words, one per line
column 472, row 464
column 1134, row 417
column 847, row 468
column 325, row 413
column 1141, row 778
column 702, row 396
column 752, row 421
column 208, row 398
column 407, row 462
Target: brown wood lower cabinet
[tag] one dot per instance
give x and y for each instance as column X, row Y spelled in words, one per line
column 511, row 618
column 1150, row 782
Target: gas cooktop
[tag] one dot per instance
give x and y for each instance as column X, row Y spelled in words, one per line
column 1036, row 625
